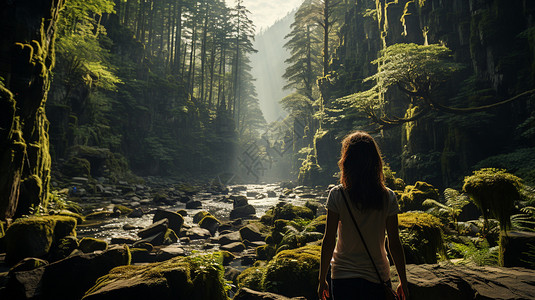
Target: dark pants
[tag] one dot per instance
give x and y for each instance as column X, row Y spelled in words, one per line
column 356, row 288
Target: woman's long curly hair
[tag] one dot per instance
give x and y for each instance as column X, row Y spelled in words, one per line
column 361, row 171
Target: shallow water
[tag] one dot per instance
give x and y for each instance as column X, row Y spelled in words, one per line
column 113, row 227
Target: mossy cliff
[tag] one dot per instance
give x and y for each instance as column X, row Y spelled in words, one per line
column 492, row 39
column 28, row 43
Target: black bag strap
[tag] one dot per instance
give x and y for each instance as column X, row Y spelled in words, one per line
column 361, row 237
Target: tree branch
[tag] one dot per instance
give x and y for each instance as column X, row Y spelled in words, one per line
column 456, row 110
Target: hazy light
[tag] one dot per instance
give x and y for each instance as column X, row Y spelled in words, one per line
column 265, row 12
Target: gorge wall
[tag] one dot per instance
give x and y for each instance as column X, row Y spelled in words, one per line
column 493, row 39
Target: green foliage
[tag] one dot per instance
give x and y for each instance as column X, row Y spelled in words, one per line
column 472, row 252
column 494, row 191
column 455, row 202
column 417, row 70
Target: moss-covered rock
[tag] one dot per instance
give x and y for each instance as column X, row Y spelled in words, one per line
column 194, row 277
column 252, row 277
column 294, row 272
column 421, row 236
column 170, row 237
column 317, row 225
column 88, row 245
column 35, row 236
column 414, row 195
column 286, row 211
column 210, row 223
column 175, row 220
column 200, row 215
column 266, row 252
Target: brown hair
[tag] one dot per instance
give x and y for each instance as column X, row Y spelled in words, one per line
column 361, row 171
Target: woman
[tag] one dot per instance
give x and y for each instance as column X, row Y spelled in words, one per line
column 375, row 210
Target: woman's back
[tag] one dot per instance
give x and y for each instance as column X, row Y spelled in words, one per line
column 350, row 258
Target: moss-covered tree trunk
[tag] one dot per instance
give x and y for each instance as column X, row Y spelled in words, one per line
column 26, row 57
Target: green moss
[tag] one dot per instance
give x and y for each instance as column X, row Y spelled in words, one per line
column 34, row 236
column 414, row 196
column 289, row 212
column 88, row 245
column 252, row 278
column 294, row 272
column 266, row 252
column 227, row 257
column 317, row 225
column 194, row 277
column 421, row 236
column 494, row 191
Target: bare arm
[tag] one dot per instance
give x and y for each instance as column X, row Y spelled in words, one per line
column 396, row 250
column 327, row 248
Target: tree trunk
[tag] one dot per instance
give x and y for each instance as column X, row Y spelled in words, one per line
column 24, row 146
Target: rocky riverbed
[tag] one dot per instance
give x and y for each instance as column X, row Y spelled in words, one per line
column 176, row 240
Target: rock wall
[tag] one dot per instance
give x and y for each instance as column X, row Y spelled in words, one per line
column 27, row 52
column 492, row 38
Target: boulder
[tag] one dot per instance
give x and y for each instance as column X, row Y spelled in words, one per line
column 294, row 273
column 200, row 215
column 193, row 278
column 34, row 236
column 88, row 245
column 193, row 204
column 229, row 238
column 175, row 220
column 248, row 294
column 238, row 201
column 421, row 237
column 247, row 211
column 210, row 223
column 447, row 281
column 251, row 232
column 136, row 213
column 233, row 247
column 68, row 278
column 317, row 225
column 155, row 228
column 169, row 252
column 197, row 233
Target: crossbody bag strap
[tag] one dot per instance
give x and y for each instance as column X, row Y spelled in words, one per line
column 360, row 234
